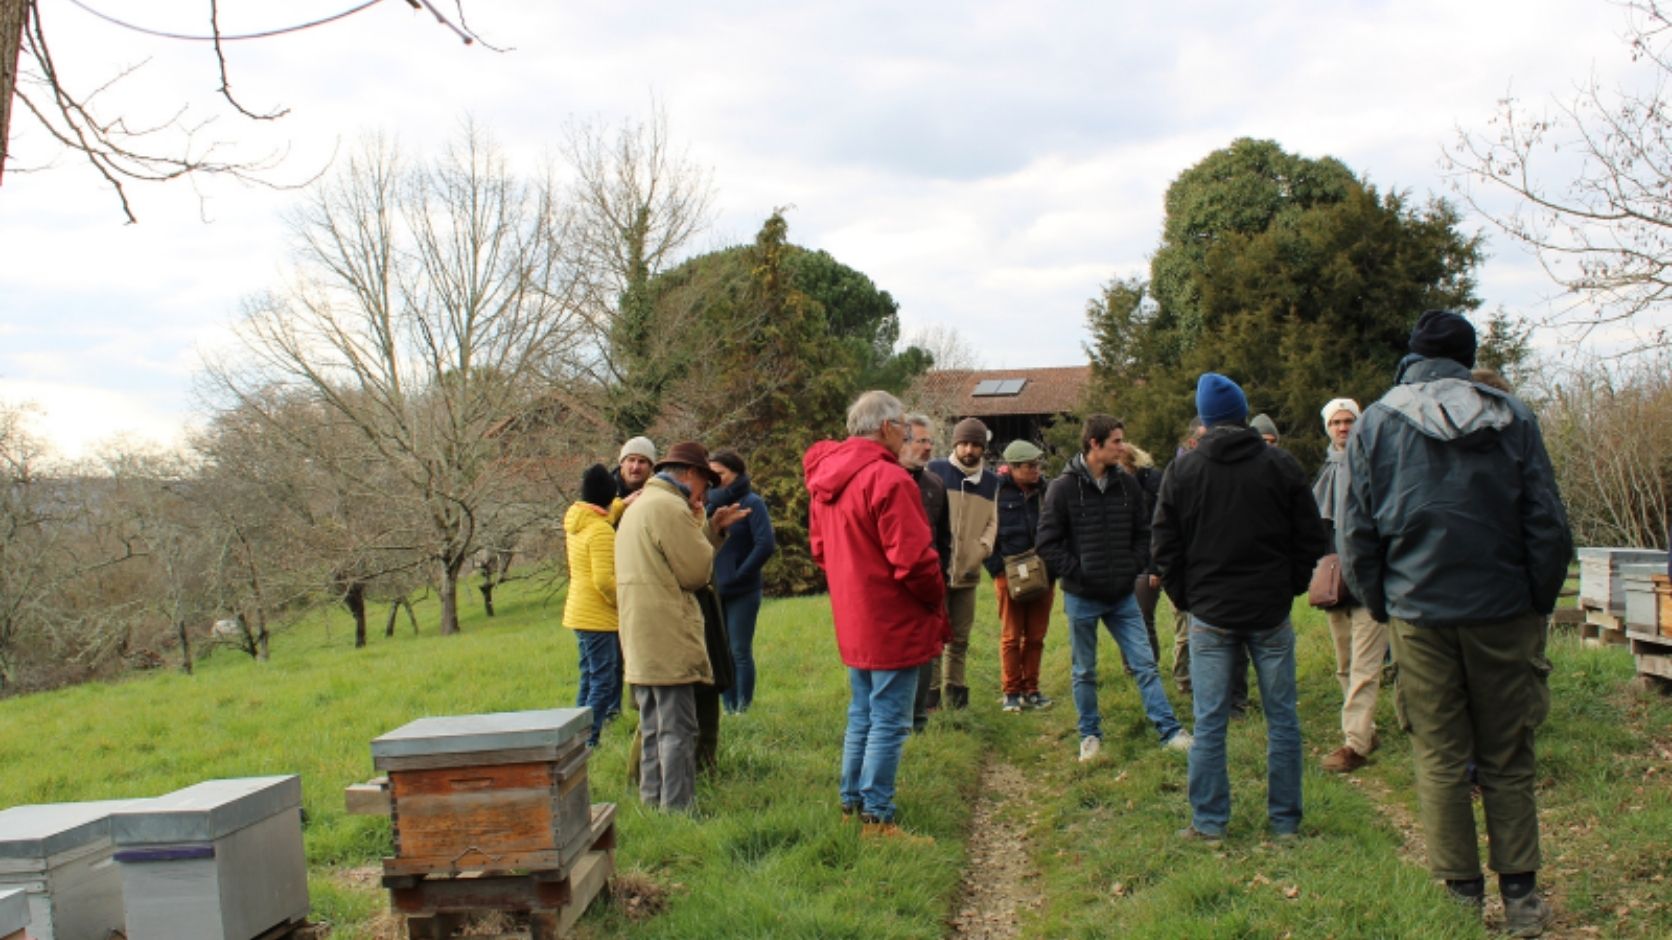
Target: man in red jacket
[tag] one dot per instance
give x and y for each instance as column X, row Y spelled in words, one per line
column 869, row 534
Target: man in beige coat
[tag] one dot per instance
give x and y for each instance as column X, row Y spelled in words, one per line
column 664, row 551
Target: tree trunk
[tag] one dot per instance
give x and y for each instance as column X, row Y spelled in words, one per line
column 487, row 594
column 411, row 615
column 355, row 600
column 394, row 609
column 13, row 14
column 185, row 646
column 449, row 599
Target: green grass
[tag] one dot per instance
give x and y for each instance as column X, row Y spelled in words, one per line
column 766, row 854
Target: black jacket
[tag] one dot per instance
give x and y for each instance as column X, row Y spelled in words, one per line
column 935, row 506
column 1237, row 531
column 1453, row 515
column 1018, row 521
column 1094, row 541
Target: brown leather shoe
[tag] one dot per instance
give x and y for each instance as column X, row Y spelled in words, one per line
column 1344, row 760
column 876, row 829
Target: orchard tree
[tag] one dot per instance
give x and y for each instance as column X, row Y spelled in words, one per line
column 429, row 304
column 1590, row 182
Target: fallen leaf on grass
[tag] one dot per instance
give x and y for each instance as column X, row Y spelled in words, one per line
column 1119, row 890
column 1291, row 892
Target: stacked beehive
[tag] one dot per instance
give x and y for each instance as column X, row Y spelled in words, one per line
column 493, row 812
column 59, row 856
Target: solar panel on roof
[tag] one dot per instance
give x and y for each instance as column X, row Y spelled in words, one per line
column 1010, row 386
column 986, row 387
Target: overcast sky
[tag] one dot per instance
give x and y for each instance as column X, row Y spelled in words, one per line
column 989, row 164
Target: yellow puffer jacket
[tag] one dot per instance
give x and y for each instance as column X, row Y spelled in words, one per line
column 591, row 601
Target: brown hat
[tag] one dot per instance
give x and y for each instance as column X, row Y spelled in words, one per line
column 689, row 454
column 971, row 431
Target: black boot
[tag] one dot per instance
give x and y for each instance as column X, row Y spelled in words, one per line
column 958, row 696
column 932, row 702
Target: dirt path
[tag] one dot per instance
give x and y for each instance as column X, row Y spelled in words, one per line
column 999, row 880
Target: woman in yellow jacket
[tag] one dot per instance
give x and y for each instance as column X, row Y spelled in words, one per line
column 590, row 609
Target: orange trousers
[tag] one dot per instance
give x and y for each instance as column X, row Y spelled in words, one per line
column 1022, row 627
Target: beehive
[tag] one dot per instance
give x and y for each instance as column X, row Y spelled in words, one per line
column 1600, row 584
column 58, row 854
column 14, row 914
column 221, row 860
column 1640, row 613
column 501, row 791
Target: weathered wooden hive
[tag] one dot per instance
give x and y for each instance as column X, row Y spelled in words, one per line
column 495, row 792
column 221, row 860
column 1600, row 583
column 58, row 854
column 14, row 914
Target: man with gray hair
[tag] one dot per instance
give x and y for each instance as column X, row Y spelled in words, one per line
column 868, row 532
column 915, row 457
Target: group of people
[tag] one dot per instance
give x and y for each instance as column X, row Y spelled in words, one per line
column 1434, row 528
column 665, row 558
column 1435, row 524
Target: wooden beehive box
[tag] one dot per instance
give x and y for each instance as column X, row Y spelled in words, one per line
column 1600, row 584
column 14, row 915
column 1663, row 604
column 220, row 860
column 496, row 792
column 59, row 854
column 1641, row 615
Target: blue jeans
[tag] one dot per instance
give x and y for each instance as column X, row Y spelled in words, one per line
column 599, row 689
column 741, row 612
column 1126, row 625
column 879, row 719
column 1212, row 660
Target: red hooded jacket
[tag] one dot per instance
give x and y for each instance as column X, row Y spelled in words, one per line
column 871, row 537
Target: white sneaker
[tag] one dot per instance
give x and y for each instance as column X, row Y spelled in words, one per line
column 1089, row 746
column 1179, row 742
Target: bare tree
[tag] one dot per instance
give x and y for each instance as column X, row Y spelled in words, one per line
column 1591, row 180
column 124, row 148
column 637, row 203
column 426, row 303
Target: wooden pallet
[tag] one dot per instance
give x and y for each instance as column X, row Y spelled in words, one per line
column 1604, row 628
column 435, row 906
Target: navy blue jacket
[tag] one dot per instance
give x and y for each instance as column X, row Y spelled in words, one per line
column 738, row 563
column 1018, row 521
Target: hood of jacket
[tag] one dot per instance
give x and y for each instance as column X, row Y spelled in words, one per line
column 832, row 465
column 1438, row 398
column 1140, row 457
column 580, row 514
column 718, row 496
column 1231, row 444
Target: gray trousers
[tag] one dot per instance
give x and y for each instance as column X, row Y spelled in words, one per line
column 668, row 721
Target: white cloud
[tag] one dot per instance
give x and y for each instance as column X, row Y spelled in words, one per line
column 989, row 164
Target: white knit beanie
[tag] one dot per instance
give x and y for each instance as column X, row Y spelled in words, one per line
column 640, row 446
column 1340, row 404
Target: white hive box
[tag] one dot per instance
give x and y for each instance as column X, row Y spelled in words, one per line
column 1639, row 581
column 221, row 860
column 1600, row 582
column 14, row 915
column 59, row 855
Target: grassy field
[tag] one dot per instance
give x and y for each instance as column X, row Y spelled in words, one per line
column 766, row 855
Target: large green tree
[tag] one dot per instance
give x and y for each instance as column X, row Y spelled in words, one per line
column 763, row 346
column 1288, row 274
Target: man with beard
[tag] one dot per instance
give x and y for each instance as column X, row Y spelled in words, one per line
column 971, row 496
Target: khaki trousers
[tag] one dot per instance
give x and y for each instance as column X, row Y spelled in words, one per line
column 960, row 609
column 1475, row 691
column 1360, row 644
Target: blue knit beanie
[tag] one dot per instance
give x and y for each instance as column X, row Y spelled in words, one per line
column 1220, row 400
